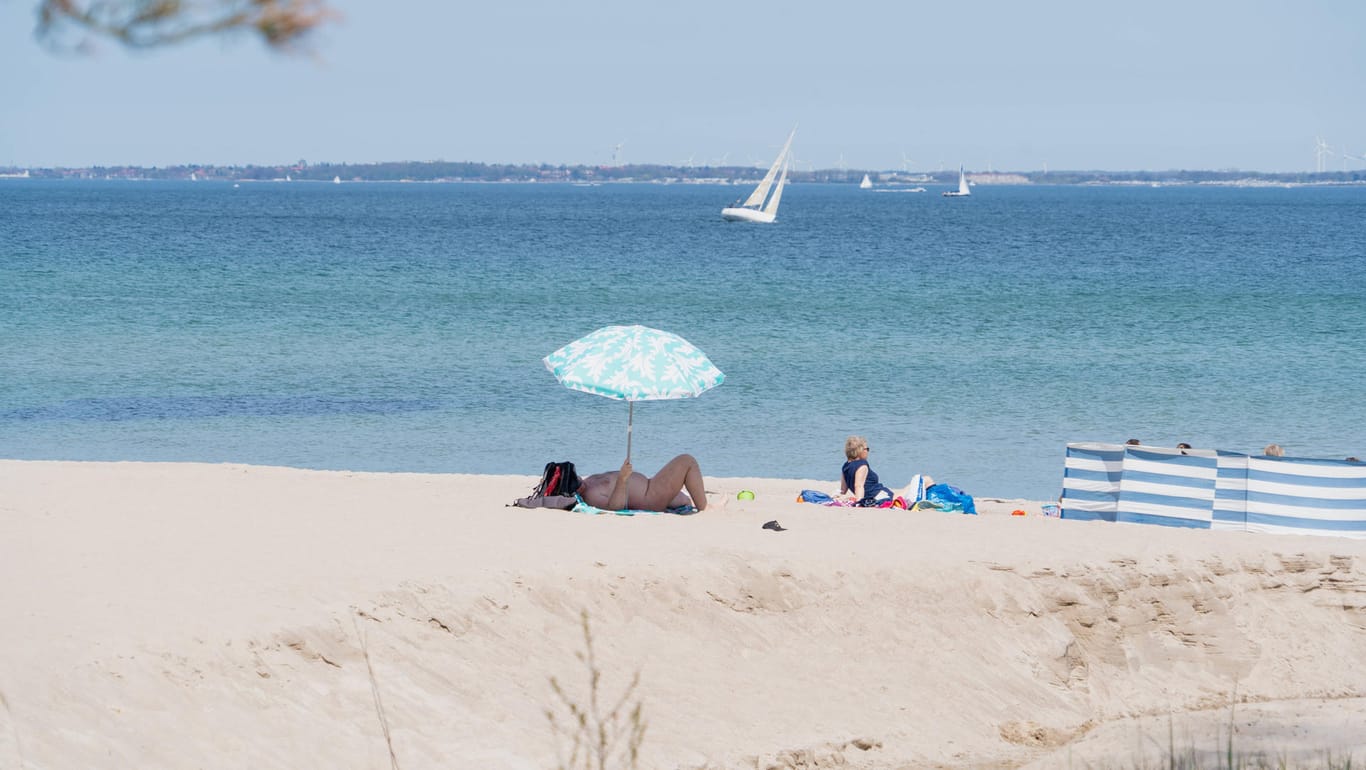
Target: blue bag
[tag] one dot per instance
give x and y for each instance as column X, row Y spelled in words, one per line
column 950, row 498
column 812, row 496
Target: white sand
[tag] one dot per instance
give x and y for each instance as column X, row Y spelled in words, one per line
column 205, row 616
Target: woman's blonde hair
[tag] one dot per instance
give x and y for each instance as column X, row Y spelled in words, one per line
column 853, row 445
column 1273, row 450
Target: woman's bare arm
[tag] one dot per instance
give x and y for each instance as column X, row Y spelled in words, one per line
column 860, row 476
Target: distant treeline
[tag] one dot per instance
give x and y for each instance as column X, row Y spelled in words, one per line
column 443, row 171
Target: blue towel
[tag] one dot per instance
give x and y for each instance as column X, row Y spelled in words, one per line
column 582, row 507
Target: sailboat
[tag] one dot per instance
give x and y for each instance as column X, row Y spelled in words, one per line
column 962, row 187
column 755, row 209
column 866, row 184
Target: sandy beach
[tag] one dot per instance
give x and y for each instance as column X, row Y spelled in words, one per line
column 212, row 616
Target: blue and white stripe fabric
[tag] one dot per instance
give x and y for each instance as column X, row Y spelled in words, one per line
column 1304, row 496
column 1230, row 492
column 1167, row 487
column 1090, row 482
column 1214, row 489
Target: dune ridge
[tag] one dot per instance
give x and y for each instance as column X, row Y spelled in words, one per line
column 171, row 615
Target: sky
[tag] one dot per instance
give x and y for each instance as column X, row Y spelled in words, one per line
column 877, row 84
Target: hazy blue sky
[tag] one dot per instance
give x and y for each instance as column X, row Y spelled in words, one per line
column 1002, row 85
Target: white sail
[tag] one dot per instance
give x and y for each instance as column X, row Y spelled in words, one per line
column 962, row 186
column 866, row 183
column 756, row 198
column 772, row 208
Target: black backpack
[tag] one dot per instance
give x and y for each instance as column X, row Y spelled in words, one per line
column 557, row 488
column 557, row 479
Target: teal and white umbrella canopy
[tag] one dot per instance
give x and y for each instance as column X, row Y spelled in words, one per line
column 634, row 363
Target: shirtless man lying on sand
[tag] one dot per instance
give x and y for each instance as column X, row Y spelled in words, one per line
column 625, row 489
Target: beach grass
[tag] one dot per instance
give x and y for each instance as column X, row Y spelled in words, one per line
column 1192, row 759
column 1227, row 756
column 374, row 691
column 588, row 734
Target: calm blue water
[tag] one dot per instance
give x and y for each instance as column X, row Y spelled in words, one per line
column 401, row 327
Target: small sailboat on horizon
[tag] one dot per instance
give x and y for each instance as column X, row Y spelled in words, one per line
column 866, row 184
column 755, row 208
column 963, row 190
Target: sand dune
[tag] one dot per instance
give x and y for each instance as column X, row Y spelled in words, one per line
column 210, row 616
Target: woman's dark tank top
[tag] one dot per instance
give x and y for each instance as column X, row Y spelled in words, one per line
column 871, row 487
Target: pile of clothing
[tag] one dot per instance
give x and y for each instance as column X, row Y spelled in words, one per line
column 936, row 497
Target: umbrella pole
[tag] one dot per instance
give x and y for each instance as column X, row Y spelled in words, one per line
column 630, row 418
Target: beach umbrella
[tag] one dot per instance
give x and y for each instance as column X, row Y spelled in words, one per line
column 634, row 363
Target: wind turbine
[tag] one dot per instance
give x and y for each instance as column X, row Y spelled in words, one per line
column 758, row 162
column 796, row 163
column 1321, row 149
column 1346, row 156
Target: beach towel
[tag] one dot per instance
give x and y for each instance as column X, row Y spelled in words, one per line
column 582, row 507
column 821, row 498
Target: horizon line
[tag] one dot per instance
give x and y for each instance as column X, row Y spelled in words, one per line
column 301, row 166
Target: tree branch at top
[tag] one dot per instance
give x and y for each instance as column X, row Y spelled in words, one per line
column 283, row 25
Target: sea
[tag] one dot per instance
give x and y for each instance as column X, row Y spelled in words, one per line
column 401, row 327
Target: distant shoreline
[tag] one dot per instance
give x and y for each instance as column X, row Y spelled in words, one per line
column 470, row 172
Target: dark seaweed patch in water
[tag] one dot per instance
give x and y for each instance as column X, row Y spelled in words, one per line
column 201, row 407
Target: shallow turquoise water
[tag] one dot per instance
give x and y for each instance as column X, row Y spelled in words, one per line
column 400, row 327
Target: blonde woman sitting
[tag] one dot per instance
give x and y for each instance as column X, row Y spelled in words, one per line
column 860, row 484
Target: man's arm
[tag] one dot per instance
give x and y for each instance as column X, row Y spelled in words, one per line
column 620, row 491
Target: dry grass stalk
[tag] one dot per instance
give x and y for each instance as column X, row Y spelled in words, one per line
column 374, row 690
column 14, row 724
column 589, row 736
